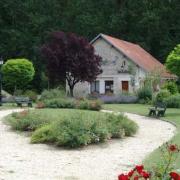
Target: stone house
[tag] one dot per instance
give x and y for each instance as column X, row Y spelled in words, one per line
column 124, row 66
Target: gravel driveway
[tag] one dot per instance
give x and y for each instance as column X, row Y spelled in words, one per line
column 20, row 160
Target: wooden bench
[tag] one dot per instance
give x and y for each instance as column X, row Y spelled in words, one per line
column 158, row 110
column 23, row 100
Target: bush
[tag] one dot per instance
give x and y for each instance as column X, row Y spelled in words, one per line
column 72, row 103
column 173, row 101
column 72, row 128
column 60, row 103
column 162, row 95
column 118, row 99
column 79, row 130
column 43, row 134
column 171, row 87
column 120, row 125
column 31, row 94
column 26, row 121
column 95, row 105
column 144, row 94
column 53, row 94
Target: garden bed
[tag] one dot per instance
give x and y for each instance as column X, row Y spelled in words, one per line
column 71, row 128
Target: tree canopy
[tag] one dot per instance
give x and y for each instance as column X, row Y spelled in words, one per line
column 153, row 24
column 17, row 73
column 71, row 58
column 173, row 61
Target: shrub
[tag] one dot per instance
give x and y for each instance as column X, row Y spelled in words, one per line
column 43, row 134
column 122, row 98
column 162, row 95
column 173, row 101
column 60, row 103
column 120, row 126
column 145, row 94
column 73, row 131
column 72, row 128
column 31, row 94
column 40, row 105
column 26, row 121
column 171, row 87
column 95, row 105
column 53, row 94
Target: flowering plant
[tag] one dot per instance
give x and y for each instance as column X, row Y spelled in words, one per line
column 163, row 171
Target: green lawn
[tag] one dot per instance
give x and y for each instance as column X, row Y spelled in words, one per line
column 7, row 106
column 172, row 115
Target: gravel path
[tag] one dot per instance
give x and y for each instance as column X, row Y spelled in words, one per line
column 20, row 160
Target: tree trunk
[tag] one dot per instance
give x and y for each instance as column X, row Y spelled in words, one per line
column 71, row 91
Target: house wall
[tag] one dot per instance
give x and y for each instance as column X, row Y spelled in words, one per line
column 113, row 61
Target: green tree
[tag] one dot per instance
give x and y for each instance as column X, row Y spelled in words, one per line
column 17, row 73
column 173, row 61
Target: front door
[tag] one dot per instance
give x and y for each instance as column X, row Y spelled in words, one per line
column 125, row 86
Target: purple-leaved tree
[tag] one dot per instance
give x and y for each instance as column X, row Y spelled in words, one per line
column 70, row 57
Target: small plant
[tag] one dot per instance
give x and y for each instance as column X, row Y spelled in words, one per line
column 163, row 171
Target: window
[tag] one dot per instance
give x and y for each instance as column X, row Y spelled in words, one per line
column 108, row 86
column 95, row 86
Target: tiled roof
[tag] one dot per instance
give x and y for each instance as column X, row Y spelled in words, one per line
column 137, row 54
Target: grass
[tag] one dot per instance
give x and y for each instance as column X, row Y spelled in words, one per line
column 172, row 115
column 8, row 106
column 71, row 127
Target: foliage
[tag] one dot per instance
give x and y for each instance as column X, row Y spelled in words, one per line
column 72, row 128
column 162, row 95
column 119, row 99
column 173, row 61
column 26, row 121
column 31, row 94
column 71, row 58
column 89, row 104
column 59, row 103
column 173, row 101
column 53, row 94
column 171, row 87
column 152, row 24
column 144, row 93
column 72, row 103
column 80, row 130
column 17, row 73
column 163, row 170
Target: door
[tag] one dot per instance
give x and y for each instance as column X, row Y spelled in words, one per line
column 125, row 86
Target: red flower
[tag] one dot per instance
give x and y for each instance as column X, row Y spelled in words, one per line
column 139, row 168
column 174, row 176
column 173, row 148
column 131, row 173
column 123, row 177
column 145, row 175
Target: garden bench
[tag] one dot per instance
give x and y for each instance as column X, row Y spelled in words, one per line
column 158, row 110
column 23, row 100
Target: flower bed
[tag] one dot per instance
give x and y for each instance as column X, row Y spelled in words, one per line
column 71, row 128
column 163, row 171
